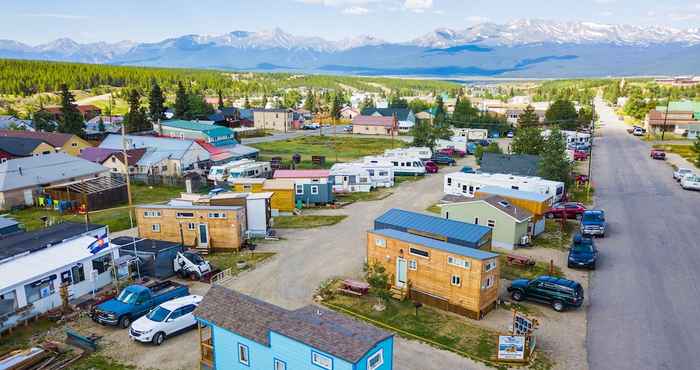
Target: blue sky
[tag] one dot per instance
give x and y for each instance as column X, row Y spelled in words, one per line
column 37, row 21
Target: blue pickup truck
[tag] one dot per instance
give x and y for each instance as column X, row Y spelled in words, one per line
column 135, row 301
column 593, row 223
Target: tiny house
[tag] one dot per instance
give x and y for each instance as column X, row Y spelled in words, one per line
column 350, row 178
column 536, row 203
column 402, row 166
column 467, row 184
column 311, row 187
column 423, row 153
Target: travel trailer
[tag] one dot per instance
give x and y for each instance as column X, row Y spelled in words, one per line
column 381, row 174
column 406, row 166
column 422, row 153
column 471, row 133
column 255, row 169
column 455, row 142
column 350, row 178
column 220, row 173
column 467, row 184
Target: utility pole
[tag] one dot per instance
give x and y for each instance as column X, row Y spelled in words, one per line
column 128, row 193
column 668, row 105
column 590, row 154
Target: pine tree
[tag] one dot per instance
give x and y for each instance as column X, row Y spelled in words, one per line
column 43, row 121
column 71, row 121
column 264, row 102
column 440, row 114
column 528, row 118
column 246, row 103
column 310, row 102
column 528, row 140
column 562, row 112
column 555, row 164
column 135, row 120
column 423, row 135
column 181, row 104
column 101, row 125
column 464, row 111
column 156, row 102
column 336, row 106
column 221, row 100
column 367, row 103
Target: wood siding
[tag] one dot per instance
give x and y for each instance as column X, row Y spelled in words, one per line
column 282, row 199
column 433, row 275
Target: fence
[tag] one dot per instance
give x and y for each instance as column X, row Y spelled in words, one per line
column 221, row 277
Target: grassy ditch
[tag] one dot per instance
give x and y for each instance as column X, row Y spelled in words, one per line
column 306, row 222
column 225, row 261
column 686, row 151
column 554, row 237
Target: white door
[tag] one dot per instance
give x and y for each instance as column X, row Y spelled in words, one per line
column 401, row 270
column 203, row 240
column 28, row 197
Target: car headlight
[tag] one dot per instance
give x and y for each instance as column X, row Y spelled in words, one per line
column 147, row 331
column 111, row 316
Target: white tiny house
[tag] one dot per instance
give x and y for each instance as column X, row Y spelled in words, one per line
column 467, row 184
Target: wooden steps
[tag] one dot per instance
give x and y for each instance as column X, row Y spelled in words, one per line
column 398, row 293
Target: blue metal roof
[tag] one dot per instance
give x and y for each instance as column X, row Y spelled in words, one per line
column 210, row 130
column 435, row 225
column 436, row 244
column 505, row 192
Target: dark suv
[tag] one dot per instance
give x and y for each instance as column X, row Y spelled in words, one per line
column 560, row 293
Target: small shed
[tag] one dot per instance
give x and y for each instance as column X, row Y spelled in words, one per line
column 96, row 193
column 156, row 256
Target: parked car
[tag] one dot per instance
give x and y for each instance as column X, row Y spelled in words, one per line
column 580, row 155
column 471, row 148
column 510, row 134
column 347, row 128
column 560, row 293
column 593, row 223
column 638, row 131
column 191, row 265
column 467, row 169
column 678, row 174
column 443, row 159
column 135, row 301
column 431, row 167
column 583, row 252
column 658, row 154
column 447, row 151
column 166, row 320
column 690, row 182
column 572, row 210
column 484, row 142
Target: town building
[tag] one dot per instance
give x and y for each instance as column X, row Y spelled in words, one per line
column 71, row 256
column 283, row 197
column 88, row 111
column 240, row 332
column 512, row 164
column 349, row 113
column 206, row 131
column 436, row 261
column 14, row 123
column 206, row 228
column 111, row 125
column 22, row 179
column 258, row 207
column 273, row 119
column 114, row 158
column 20, row 147
column 67, row 143
column 374, row 125
column 535, row 203
column 679, row 117
column 310, row 186
column 405, row 117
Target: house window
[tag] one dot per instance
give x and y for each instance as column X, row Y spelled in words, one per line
column 488, row 283
column 114, row 160
column 491, row 223
column 280, row 365
column 376, row 360
column 447, row 215
column 74, row 144
column 247, row 188
column 184, row 215
column 243, row 354
column 380, row 243
column 321, row 360
column 39, row 289
column 155, row 228
column 151, row 214
column 454, row 261
column 191, row 226
column 456, row 280
column 449, row 181
column 314, row 189
column 78, row 273
column 413, row 265
column 490, row 265
column 419, row 252
column 219, row 215
column 300, row 190
column 101, row 264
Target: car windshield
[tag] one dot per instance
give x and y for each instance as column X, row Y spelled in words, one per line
column 127, row 296
column 158, row 314
column 593, row 217
column 195, row 258
column 582, row 247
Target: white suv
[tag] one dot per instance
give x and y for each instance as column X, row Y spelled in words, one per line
column 170, row 318
column 678, row 175
column 691, row 182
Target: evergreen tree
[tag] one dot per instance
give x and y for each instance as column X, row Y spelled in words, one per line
column 197, row 107
column 181, row 103
column 528, row 118
column 464, row 111
column 397, row 101
column 264, row 102
column 221, row 100
column 71, row 121
column 336, row 106
column 492, row 148
column 43, row 121
column 156, row 102
column 555, row 164
column 310, row 101
column 136, row 120
column 101, row 125
column 246, row 103
column 528, row 140
column 440, row 114
column 424, row 135
column 562, row 112
column 367, row 103
column 291, row 99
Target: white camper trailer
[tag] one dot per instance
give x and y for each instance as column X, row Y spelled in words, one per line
column 572, row 137
column 455, row 142
column 422, row 153
column 406, row 166
column 350, row 178
column 221, row 172
column 255, row 169
column 381, row 174
column 467, row 184
column 471, row 133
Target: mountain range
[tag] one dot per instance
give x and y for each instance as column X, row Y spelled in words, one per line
column 523, row 48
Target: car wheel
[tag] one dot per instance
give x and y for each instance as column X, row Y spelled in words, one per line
column 193, row 276
column 158, row 339
column 517, row 295
column 593, row 266
column 124, row 322
column 558, row 306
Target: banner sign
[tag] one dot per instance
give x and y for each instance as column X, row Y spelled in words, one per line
column 511, row 347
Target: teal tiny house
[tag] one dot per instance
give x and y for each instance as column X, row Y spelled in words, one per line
column 238, row 332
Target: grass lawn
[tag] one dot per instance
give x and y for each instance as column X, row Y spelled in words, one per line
column 511, row 272
column 335, row 149
column 304, row 222
column 224, row 261
column 377, row 194
column 439, row 328
column 116, row 218
column 582, row 195
column 398, row 180
column 553, row 236
column 666, row 136
column 685, row 151
column 98, row 361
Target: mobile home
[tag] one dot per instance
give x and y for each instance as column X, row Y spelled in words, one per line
column 423, row 153
column 467, row 184
column 220, row 173
column 350, row 178
column 255, row 169
column 402, row 166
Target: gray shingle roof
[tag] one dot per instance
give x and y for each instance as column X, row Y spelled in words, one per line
column 515, row 164
column 49, row 168
column 320, row 328
column 502, row 205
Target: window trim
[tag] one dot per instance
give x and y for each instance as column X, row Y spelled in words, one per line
column 299, row 190
column 459, row 280
column 184, row 214
column 314, row 190
column 191, row 226
column 491, row 223
column 246, row 354
column 379, row 354
column 151, row 214
column 411, row 249
column 380, row 242
column 412, row 264
column 321, row 355
column 490, row 265
column 278, row 361
column 466, row 264
column 485, row 284
column 155, row 228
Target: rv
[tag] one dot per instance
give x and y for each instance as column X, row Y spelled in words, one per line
column 467, row 184
column 473, row 134
column 456, row 142
column 422, row 153
column 350, row 178
column 572, row 137
column 406, row 166
column 255, row 169
column 220, row 173
column 381, row 174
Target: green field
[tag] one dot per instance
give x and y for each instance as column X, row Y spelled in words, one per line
column 225, row 261
column 305, row 222
column 685, row 151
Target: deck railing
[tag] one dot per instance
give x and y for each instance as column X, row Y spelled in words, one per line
column 222, row 276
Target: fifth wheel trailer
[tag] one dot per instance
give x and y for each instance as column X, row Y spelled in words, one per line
column 467, row 184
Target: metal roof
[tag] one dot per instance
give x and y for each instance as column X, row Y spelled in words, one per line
column 519, row 194
column 159, row 148
column 436, row 244
column 27, row 172
column 499, row 203
column 90, row 186
column 430, row 224
column 207, row 128
column 184, row 205
column 38, row 239
column 300, row 174
column 19, row 146
column 143, row 245
column 7, row 222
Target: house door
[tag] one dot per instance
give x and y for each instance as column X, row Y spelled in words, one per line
column 28, row 197
column 401, row 269
column 203, row 240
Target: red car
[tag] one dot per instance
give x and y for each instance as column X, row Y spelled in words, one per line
column 580, row 155
column 573, row 211
column 658, row 154
column 431, row 167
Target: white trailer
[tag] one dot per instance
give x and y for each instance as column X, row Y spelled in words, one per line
column 381, row 174
column 350, row 178
column 571, row 137
column 423, row 153
column 471, row 133
column 402, row 166
column 221, row 172
column 455, row 142
column 467, row 184
column 250, row 170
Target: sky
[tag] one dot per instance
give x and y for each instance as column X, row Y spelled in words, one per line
column 38, row 21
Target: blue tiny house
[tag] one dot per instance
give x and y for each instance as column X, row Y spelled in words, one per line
column 311, row 187
column 238, row 332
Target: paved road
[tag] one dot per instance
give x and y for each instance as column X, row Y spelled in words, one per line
column 645, row 296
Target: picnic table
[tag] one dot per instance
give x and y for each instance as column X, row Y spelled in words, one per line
column 354, row 287
column 512, row 259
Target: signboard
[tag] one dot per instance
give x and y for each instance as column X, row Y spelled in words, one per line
column 511, row 347
column 523, row 325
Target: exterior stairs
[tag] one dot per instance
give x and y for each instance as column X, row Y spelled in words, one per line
column 398, row 293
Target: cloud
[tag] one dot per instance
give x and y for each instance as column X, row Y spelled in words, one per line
column 355, row 10
column 477, row 19
column 418, row 6
column 54, row 15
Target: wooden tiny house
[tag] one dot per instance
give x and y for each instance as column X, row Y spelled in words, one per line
column 282, row 189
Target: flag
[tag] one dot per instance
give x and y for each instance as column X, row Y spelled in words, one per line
column 101, row 243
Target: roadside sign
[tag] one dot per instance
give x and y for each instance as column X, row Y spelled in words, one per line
column 523, row 325
column 511, row 347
